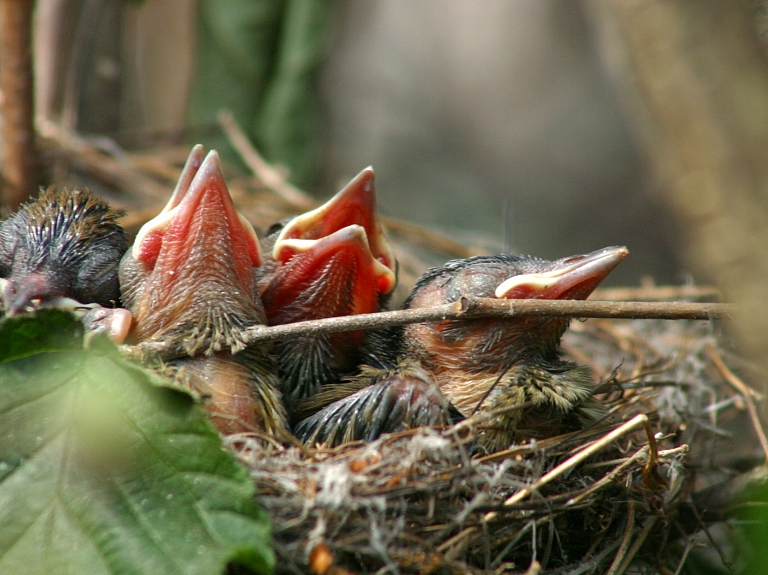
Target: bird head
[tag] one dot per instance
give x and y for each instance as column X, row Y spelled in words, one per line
column 190, row 274
column 331, row 261
column 499, row 342
column 67, row 244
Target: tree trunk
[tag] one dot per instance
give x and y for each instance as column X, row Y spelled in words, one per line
column 696, row 84
column 20, row 159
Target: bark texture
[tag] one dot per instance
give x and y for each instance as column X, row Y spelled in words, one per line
column 695, row 81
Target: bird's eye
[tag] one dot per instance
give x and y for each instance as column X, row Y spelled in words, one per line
column 276, row 227
column 473, row 282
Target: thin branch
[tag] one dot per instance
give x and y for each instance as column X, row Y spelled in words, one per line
column 609, row 477
column 268, row 175
column 466, row 308
column 490, row 307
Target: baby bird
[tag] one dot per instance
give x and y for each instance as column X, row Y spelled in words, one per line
column 511, row 369
column 329, row 262
column 65, row 244
column 190, row 278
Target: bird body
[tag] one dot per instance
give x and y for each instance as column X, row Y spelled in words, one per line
column 373, row 402
column 196, row 276
column 65, row 244
column 190, row 278
column 240, row 391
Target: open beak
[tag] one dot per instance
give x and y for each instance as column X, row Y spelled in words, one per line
column 334, row 260
column 353, row 207
column 188, row 172
column 341, row 265
column 574, row 277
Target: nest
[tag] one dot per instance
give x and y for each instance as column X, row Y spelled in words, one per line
column 594, row 501
column 627, row 495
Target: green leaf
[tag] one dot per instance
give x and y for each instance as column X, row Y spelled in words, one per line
column 49, row 329
column 754, row 518
column 105, row 469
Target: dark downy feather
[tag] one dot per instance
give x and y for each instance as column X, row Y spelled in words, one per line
column 378, row 401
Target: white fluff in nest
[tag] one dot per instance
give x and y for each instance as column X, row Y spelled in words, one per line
column 427, row 444
column 335, row 482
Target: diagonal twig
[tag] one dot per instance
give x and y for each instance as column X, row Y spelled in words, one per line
column 268, row 175
column 608, row 478
column 747, row 393
column 571, row 462
column 459, row 540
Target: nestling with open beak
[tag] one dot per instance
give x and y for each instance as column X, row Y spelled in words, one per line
column 508, row 368
column 61, row 250
column 330, row 262
column 190, row 277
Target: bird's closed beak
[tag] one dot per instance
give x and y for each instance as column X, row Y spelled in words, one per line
column 573, row 277
column 353, row 209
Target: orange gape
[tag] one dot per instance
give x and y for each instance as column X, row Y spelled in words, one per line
column 332, row 261
column 191, row 278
